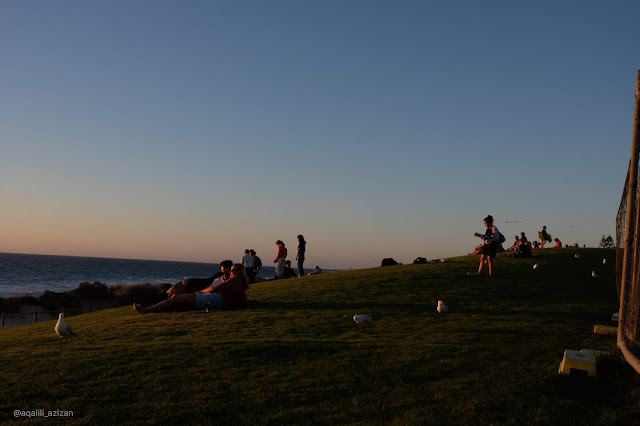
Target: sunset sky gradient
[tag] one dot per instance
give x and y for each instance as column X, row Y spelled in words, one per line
column 193, row 130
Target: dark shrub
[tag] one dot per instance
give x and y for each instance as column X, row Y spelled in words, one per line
column 145, row 294
column 70, row 301
column 95, row 290
column 50, row 300
column 388, row 261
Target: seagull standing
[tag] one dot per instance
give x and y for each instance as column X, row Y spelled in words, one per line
column 63, row 329
column 362, row 319
column 594, row 275
column 442, row 307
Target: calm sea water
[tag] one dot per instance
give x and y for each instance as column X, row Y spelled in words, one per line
column 33, row 274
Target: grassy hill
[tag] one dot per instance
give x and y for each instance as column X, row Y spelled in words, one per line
column 296, row 356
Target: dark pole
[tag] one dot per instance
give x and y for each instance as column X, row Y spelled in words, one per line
column 633, row 183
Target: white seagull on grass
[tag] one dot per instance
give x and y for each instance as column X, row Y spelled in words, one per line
column 362, row 319
column 442, row 307
column 63, row 329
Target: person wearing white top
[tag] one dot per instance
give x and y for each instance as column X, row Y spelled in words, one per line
column 249, row 262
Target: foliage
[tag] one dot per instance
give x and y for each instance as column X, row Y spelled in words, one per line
column 95, row 290
column 296, row 356
column 607, row 242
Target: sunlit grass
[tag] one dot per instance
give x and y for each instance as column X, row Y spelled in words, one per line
column 295, row 355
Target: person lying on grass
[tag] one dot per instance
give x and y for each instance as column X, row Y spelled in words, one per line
column 191, row 285
column 229, row 293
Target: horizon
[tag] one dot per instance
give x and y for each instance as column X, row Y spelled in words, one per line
column 164, row 131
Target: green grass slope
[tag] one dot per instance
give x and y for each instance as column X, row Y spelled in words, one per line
column 296, row 356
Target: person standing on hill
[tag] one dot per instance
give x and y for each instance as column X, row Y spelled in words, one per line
column 544, row 237
column 257, row 263
column 281, row 256
column 490, row 246
column 302, row 247
column 248, row 262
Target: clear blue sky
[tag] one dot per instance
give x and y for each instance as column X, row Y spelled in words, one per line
column 191, row 130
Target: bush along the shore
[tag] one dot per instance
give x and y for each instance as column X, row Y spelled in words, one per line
column 117, row 295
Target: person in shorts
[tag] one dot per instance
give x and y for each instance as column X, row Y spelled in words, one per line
column 231, row 293
column 490, row 247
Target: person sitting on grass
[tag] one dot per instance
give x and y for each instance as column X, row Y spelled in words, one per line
column 229, row 293
column 288, row 271
column 315, row 271
column 490, row 246
column 524, row 249
column 516, row 245
column 191, row 285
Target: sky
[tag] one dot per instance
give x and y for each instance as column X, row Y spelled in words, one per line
column 192, row 130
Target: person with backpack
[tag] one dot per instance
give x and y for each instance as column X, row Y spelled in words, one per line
column 491, row 239
column 544, row 237
column 257, row 263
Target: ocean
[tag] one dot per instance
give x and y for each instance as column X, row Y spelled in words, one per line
column 32, row 274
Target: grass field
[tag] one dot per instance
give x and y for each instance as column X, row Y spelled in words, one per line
column 296, row 356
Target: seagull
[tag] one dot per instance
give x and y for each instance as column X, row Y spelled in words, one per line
column 442, row 307
column 513, row 222
column 63, row 329
column 593, row 274
column 362, row 319
column 535, row 266
column 604, row 261
column 577, row 256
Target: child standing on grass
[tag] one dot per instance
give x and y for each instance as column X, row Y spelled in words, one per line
column 490, row 247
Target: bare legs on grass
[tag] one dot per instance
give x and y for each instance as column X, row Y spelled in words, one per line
column 489, row 260
column 188, row 299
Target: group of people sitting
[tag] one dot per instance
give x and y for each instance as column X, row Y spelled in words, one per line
column 225, row 288
column 521, row 246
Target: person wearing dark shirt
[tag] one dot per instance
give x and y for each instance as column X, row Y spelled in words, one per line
column 227, row 293
column 257, row 264
column 524, row 249
column 288, row 271
column 302, row 247
column 191, row 285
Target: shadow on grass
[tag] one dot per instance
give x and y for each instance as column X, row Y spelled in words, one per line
column 302, row 306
